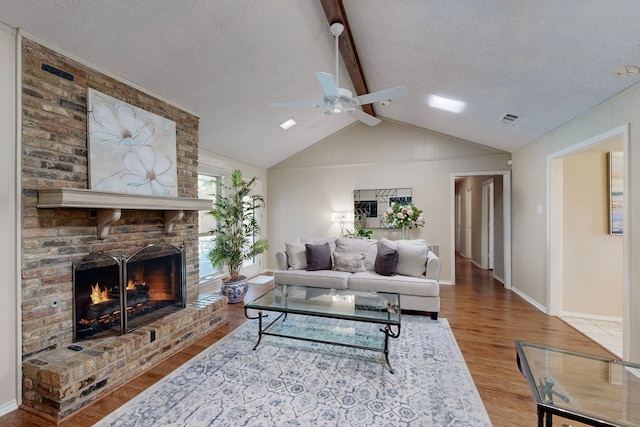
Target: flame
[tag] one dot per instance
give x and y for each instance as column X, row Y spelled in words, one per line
column 131, row 286
column 98, row 295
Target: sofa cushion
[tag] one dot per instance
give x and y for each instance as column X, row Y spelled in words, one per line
column 386, row 261
column 404, row 285
column 393, row 244
column 369, row 247
column 318, row 257
column 346, row 261
column 329, row 279
column 412, row 258
column 296, row 255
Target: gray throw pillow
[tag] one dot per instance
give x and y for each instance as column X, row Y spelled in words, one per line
column 296, row 255
column 351, row 262
column 318, row 257
column 369, row 247
column 386, row 261
column 412, row 258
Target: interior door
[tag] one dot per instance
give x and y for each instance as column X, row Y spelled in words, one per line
column 458, row 220
column 468, row 207
column 487, row 225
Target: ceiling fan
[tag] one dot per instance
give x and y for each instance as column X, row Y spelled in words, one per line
column 339, row 100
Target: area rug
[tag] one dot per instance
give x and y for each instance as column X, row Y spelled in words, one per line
column 287, row 382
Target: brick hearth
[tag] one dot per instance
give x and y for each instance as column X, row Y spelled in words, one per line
column 56, row 380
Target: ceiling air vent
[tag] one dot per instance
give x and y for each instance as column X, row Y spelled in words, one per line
column 509, row 118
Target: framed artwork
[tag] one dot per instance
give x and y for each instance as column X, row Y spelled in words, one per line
column 130, row 150
column 371, row 204
column 616, row 192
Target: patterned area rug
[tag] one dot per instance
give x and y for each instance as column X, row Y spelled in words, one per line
column 287, row 382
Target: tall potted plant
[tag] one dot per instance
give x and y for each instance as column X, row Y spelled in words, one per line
column 235, row 229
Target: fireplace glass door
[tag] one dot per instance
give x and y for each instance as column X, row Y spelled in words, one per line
column 96, row 296
column 155, row 284
column 146, row 286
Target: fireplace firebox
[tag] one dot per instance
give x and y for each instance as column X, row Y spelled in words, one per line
column 115, row 295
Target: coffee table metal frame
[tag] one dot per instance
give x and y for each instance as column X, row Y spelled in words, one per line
column 536, row 362
column 390, row 319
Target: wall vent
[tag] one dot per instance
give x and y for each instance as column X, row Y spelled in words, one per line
column 509, row 118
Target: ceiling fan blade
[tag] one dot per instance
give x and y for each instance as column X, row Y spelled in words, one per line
column 328, row 84
column 364, row 117
column 382, row 95
column 294, row 104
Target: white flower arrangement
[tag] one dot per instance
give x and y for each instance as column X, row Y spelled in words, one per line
column 404, row 216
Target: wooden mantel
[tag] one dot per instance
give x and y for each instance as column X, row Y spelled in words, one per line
column 110, row 205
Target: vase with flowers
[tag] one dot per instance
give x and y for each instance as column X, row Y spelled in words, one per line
column 404, row 217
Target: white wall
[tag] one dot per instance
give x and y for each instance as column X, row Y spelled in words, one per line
column 9, row 360
column 529, row 230
column 305, row 189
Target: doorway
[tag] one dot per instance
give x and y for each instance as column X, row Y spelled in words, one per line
column 578, row 220
column 481, row 221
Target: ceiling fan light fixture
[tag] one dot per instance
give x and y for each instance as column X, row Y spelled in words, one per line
column 447, row 104
column 337, row 107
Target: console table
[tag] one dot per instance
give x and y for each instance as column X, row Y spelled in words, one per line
column 592, row 390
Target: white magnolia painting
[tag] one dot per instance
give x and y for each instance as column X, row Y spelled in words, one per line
column 130, row 150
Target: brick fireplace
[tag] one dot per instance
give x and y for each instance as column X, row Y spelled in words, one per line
column 63, row 222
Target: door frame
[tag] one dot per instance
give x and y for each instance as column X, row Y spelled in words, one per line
column 554, row 276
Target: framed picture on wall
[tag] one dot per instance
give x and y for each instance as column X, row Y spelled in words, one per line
column 616, row 192
column 131, row 150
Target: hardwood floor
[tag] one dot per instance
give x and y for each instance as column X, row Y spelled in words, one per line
column 486, row 320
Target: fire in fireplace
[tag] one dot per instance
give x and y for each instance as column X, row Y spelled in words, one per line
column 146, row 286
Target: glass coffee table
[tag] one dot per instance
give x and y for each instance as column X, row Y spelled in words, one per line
column 367, row 319
column 592, row 390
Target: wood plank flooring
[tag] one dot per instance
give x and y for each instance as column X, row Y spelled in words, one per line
column 485, row 318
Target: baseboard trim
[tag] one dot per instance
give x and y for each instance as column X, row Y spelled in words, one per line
column 530, row 300
column 8, row 407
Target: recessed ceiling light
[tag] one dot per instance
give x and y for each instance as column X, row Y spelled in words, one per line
column 286, row 125
column 446, row 104
column 626, row 71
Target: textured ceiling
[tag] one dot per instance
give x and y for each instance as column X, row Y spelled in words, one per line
column 546, row 61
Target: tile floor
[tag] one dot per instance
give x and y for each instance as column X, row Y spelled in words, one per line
column 607, row 333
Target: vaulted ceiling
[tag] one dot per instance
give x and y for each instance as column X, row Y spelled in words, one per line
column 546, row 61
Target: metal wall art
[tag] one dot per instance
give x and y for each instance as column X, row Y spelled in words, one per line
column 371, row 204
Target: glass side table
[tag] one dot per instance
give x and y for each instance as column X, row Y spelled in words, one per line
column 592, row 390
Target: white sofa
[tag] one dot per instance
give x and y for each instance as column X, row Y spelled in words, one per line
column 354, row 265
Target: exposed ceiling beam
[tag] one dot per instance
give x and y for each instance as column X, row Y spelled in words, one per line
column 334, row 9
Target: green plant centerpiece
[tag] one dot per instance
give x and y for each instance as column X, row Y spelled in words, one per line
column 359, row 227
column 234, row 233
